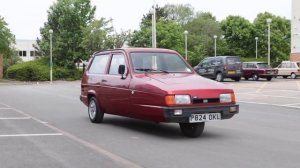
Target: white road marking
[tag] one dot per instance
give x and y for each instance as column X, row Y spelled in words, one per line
column 112, row 156
column 14, row 118
column 298, row 84
column 5, row 108
column 31, row 135
column 260, row 95
column 279, row 105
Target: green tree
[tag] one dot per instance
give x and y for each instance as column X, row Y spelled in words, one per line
column 96, row 36
column 67, row 19
column 280, row 37
column 239, row 35
column 182, row 13
column 6, row 42
column 169, row 35
column 201, row 30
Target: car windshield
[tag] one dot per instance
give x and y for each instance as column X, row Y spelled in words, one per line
column 263, row 65
column 158, row 62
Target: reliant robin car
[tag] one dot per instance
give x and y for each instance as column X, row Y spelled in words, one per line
column 156, row 85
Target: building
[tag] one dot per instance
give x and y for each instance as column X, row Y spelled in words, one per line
column 26, row 50
column 295, row 31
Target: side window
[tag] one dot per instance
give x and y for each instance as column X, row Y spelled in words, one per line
column 117, row 59
column 99, row 64
column 292, row 65
column 245, row 65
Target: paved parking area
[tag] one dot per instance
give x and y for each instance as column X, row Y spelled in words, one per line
column 278, row 92
column 43, row 125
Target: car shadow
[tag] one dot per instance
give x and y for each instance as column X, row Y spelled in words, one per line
column 162, row 130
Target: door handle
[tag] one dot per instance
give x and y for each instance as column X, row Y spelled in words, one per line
column 103, row 80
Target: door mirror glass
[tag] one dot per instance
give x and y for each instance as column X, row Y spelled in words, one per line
column 121, row 69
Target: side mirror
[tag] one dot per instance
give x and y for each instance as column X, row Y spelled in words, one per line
column 121, row 70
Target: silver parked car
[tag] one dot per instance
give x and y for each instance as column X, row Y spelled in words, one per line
column 289, row 68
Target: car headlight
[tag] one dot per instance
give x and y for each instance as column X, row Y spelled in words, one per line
column 227, row 98
column 178, row 99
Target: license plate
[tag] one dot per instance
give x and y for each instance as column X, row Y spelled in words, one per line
column 204, row 117
column 231, row 72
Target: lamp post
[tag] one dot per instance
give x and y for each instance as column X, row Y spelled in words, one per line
column 185, row 37
column 153, row 26
column 51, row 32
column 215, row 37
column 269, row 20
column 256, row 39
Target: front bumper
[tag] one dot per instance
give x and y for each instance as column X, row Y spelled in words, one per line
column 184, row 118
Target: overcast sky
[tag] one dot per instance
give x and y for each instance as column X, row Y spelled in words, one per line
column 25, row 17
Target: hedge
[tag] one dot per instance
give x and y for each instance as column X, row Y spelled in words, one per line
column 38, row 70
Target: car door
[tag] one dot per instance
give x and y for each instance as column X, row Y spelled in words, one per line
column 203, row 68
column 246, row 70
column 116, row 89
column 96, row 71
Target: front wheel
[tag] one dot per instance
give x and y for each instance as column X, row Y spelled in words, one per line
column 255, row 77
column 269, row 78
column 192, row 129
column 237, row 79
column 95, row 113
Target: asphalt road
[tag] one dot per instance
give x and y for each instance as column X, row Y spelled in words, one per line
column 43, row 125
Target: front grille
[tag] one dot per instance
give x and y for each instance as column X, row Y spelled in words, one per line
column 211, row 100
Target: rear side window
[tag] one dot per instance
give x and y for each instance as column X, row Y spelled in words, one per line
column 99, row 64
column 233, row 60
column 298, row 63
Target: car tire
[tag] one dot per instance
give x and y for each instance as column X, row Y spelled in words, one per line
column 94, row 112
column 255, row 77
column 237, row 79
column 246, row 78
column 192, row 129
column 269, row 78
column 284, row 77
column 293, row 76
column 219, row 77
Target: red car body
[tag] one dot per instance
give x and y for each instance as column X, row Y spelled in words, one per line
column 256, row 70
column 147, row 95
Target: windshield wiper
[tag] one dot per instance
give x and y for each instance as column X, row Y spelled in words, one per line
column 151, row 70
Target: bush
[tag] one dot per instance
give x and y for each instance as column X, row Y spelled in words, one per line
column 38, row 70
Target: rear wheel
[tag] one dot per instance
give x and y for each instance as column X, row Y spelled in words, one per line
column 192, row 129
column 246, row 78
column 255, row 77
column 284, row 77
column 219, row 77
column 293, row 76
column 95, row 114
column 269, row 78
column 237, row 79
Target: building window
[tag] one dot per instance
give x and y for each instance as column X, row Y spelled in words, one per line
column 24, row 53
column 20, row 53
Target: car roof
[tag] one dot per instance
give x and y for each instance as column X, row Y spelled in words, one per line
column 129, row 50
column 254, row 62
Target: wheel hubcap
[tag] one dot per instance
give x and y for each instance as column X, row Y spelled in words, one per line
column 92, row 109
column 293, row 76
column 219, row 77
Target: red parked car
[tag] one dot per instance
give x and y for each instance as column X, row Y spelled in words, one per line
column 156, row 85
column 256, row 70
